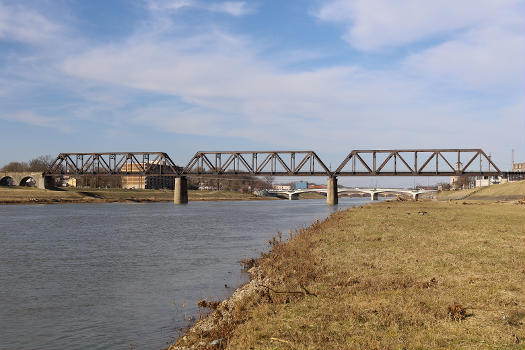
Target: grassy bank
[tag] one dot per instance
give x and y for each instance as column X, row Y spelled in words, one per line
column 508, row 191
column 26, row 195
column 392, row 275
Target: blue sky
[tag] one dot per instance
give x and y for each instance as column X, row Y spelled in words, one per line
column 186, row 75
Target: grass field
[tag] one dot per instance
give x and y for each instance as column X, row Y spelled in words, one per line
column 19, row 195
column 392, row 275
column 508, row 191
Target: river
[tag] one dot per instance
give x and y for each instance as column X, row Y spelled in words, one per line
column 104, row 276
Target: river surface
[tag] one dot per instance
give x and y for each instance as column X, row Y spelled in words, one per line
column 104, row 276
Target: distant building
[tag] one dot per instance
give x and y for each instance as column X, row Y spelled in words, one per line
column 69, row 182
column 482, row 181
column 518, row 167
column 282, row 187
column 132, row 181
column 142, row 182
column 317, row 187
column 301, row 185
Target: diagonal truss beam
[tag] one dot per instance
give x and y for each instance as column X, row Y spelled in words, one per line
column 113, row 163
column 418, row 162
column 257, row 163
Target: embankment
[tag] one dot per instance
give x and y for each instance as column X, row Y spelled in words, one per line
column 30, row 195
column 502, row 192
column 432, row 275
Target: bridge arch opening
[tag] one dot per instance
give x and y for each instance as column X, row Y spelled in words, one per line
column 28, row 181
column 6, row 181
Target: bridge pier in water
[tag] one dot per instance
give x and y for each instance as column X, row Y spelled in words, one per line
column 332, row 197
column 180, row 195
column 293, row 196
column 373, row 196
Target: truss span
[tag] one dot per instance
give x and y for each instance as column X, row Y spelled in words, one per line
column 257, row 163
column 417, row 162
column 114, row 163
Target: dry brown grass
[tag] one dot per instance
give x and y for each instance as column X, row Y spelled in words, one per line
column 405, row 275
column 507, row 191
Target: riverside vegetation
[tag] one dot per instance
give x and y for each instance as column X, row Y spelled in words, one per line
column 390, row 275
column 28, row 195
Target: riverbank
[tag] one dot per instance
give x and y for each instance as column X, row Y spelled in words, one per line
column 502, row 192
column 398, row 274
column 31, row 195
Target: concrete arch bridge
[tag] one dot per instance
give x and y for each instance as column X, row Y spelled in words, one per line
column 25, row 178
column 373, row 192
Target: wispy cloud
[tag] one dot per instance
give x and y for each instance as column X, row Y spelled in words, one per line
column 468, row 45
column 20, row 23
column 487, row 59
column 228, row 89
column 233, row 8
column 378, row 24
column 181, row 78
column 30, row 118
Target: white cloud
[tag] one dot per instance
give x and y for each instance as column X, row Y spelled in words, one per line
column 18, row 23
column 30, row 118
column 233, row 8
column 469, row 45
column 488, row 59
column 378, row 24
column 227, row 89
column 214, row 83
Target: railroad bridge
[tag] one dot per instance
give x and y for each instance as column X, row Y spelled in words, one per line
column 372, row 162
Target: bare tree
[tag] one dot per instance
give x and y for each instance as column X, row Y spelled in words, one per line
column 268, row 180
column 16, row 166
column 40, row 163
column 37, row 164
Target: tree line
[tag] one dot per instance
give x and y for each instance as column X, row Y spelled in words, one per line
column 37, row 164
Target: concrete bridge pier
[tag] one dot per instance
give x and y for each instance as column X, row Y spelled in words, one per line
column 415, row 196
column 49, row 182
column 293, row 196
column 373, row 196
column 181, row 190
column 332, row 197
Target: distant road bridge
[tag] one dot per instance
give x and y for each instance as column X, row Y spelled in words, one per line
column 373, row 192
column 395, row 162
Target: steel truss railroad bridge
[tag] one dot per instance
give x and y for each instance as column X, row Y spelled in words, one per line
column 398, row 162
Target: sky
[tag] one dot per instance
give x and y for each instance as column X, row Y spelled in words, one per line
column 179, row 76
